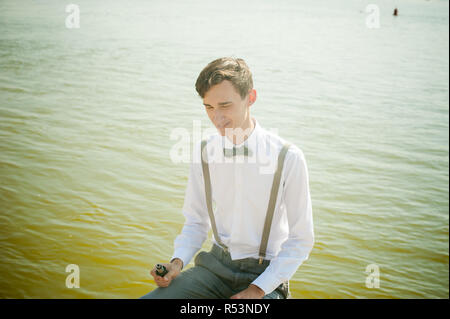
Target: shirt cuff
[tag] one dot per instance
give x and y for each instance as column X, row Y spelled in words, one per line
column 184, row 254
column 267, row 282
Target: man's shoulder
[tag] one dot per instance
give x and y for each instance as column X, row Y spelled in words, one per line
column 277, row 142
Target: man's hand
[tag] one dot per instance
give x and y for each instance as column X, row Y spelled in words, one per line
column 252, row 292
column 174, row 269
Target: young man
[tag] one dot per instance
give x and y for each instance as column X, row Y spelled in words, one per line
column 262, row 221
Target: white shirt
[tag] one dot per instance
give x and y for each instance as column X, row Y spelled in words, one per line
column 240, row 188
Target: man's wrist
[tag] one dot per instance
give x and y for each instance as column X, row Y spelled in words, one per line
column 178, row 262
column 258, row 290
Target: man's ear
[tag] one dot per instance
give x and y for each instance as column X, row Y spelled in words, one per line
column 251, row 97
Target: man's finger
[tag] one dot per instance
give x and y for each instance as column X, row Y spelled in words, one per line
column 169, row 276
column 162, row 281
column 162, row 284
column 159, row 278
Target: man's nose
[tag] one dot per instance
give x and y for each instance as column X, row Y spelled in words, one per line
column 218, row 117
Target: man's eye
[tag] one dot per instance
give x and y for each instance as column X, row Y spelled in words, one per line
column 223, row 106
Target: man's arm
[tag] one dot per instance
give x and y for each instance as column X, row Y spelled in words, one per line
column 296, row 249
column 195, row 211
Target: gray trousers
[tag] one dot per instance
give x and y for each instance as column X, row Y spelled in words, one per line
column 215, row 275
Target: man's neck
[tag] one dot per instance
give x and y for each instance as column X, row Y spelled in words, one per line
column 243, row 134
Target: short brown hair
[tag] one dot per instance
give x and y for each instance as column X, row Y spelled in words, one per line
column 234, row 70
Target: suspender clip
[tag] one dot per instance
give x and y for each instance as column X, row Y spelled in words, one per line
column 260, row 260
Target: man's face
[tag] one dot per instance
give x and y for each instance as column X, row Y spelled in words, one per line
column 226, row 109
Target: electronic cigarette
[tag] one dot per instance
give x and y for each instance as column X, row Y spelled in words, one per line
column 161, row 270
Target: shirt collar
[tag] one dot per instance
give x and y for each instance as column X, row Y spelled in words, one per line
column 250, row 142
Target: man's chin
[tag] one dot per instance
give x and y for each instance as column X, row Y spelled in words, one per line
column 223, row 130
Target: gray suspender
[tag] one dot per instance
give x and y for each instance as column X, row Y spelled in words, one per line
column 270, row 208
column 207, row 179
column 272, row 201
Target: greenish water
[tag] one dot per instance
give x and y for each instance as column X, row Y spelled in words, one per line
column 86, row 118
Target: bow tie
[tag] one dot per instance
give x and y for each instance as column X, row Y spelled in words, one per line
column 242, row 150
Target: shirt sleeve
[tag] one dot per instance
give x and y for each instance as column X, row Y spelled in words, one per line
column 297, row 247
column 195, row 211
